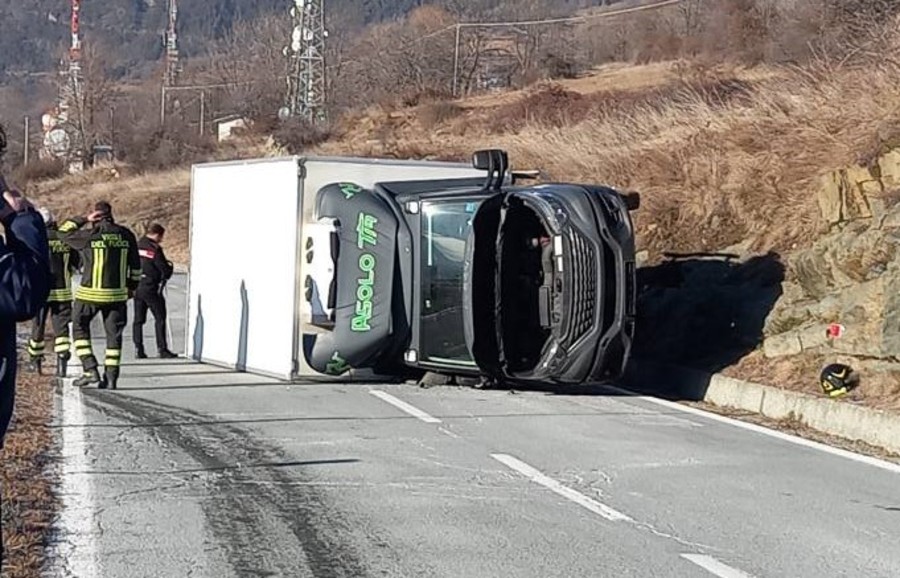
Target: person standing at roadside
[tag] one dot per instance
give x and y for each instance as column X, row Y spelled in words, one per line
column 112, row 270
column 24, row 287
column 63, row 262
column 156, row 271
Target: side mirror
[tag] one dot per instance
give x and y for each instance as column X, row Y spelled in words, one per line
column 496, row 163
column 632, row 200
column 486, row 160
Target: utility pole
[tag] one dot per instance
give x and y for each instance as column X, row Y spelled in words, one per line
column 306, row 95
column 202, row 112
column 27, row 142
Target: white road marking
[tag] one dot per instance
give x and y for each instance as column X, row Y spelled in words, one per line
column 868, row 460
column 713, row 566
column 402, row 405
column 539, row 478
column 78, row 546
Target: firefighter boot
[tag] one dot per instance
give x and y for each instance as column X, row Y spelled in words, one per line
column 166, row 354
column 35, row 365
column 139, row 352
column 89, row 377
column 111, row 377
column 62, row 364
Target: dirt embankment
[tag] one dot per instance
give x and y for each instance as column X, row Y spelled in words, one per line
column 29, row 500
column 138, row 201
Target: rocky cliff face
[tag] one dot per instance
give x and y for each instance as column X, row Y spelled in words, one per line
column 766, row 317
column 851, row 276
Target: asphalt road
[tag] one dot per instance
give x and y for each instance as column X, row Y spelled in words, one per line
column 190, row 470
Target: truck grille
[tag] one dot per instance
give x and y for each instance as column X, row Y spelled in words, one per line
column 584, row 288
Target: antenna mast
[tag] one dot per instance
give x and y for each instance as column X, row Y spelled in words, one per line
column 171, row 42
column 67, row 139
column 306, row 95
column 72, row 88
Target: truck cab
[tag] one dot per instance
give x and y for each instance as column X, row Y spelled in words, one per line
column 481, row 278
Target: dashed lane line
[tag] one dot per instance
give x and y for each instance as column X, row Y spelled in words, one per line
column 403, row 406
column 715, row 567
column 537, row 477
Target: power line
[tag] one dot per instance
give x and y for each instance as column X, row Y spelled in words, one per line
column 571, row 19
column 545, row 22
column 524, row 23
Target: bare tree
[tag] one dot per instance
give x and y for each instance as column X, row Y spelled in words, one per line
column 99, row 95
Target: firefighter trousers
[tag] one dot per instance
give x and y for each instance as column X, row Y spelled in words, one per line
column 153, row 300
column 115, row 317
column 60, row 313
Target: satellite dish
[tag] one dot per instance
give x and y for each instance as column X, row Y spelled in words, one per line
column 284, row 113
column 57, row 142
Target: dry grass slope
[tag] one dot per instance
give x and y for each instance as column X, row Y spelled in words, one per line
column 137, row 201
column 727, row 154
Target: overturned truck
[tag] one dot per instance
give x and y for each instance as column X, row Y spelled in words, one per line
column 472, row 277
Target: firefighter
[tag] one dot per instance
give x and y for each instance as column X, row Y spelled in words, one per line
column 63, row 262
column 111, row 271
column 156, row 270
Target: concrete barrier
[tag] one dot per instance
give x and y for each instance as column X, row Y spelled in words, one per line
column 836, row 417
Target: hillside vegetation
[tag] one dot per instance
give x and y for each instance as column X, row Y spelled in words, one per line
column 731, row 155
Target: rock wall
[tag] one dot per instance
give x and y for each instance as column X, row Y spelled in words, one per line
column 851, row 276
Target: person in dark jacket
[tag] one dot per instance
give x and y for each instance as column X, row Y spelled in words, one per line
column 24, row 287
column 63, row 262
column 156, row 271
column 111, row 271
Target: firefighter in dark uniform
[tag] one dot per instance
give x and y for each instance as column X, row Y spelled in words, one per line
column 111, row 271
column 156, row 271
column 63, row 262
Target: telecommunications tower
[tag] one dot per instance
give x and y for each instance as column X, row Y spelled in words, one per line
column 171, row 42
column 64, row 127
column 306, row 81
column 71, row 88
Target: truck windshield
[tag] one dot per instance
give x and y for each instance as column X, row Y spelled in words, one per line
column 445, row 228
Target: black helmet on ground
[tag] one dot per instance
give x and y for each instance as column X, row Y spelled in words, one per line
column 838, row 380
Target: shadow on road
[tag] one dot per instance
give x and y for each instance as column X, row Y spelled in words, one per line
column 700, row 311
column 241, row 363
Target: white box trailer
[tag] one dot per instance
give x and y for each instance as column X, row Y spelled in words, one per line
column 245, row 306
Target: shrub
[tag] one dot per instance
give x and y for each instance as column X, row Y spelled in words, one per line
column 296, row 135
column 40, row 170
column 166, row 148
column 437, row 113
column 413, row 98
column 552, row 105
